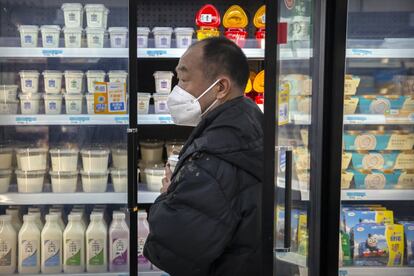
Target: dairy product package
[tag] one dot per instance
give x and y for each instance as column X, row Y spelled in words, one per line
column 73, row 37
column 376, row 140
column 30, row 181
column 118, row 76
column 119, row 180
column 377, row 179
column 31, row 159
column 143, row 232
column 73, row 81
column 162, row 37
column 94, row 182
column 387, row 160
column 378, row 245
column 51, row 245
column 183, row 37
column 8, row 92
column 299, row 84
column 52, row 81
column 118, row 243
column 5, row 178
column 409, row 241
column 73, row 103
column 96, row 15
column 95, row 159
column 352, row 217
column 174, row 147
column 8, row 245
column 142, row 164
column 94, row 76
column 29, row 246
column 351, row 84
column 346, row 179
column 6, row 157
column 53, row 103
column 73, row 15
column 389, row 105
column 50, row 36
column 29, row 35
column 154, row 178
column 160, row 103
column 143, row 103
column 30, row 103
column 95, row 37
column 142, row 37
column 96, row 244
column 119, row 157
column 151, row 150
column 90, row 103
column 118, row 36
column 29, row 80
column 350, row 105
column 346, row 160
column 64, row 182
column 64, row 159
column 74, row 245
column 163, row 80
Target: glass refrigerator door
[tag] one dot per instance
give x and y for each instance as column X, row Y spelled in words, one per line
column 377, row 213
column 63, row 138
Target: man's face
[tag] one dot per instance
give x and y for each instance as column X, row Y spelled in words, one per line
column 190, row 73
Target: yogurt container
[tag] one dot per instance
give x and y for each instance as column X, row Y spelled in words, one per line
column 8, row 92
column 64, row 182
column 162, row 37
column 64, row 159
column 73, row 82
column 5, row 178
column 96, row 15
column 31, row 159
column 53, row 103
column 120, row 157
column 94, row 76
column 163, row 81
column 143, row 103
column 94, row 182
column 50, row 36
column 160, row 103
column 143, row 165
column 9, row 106
column 374, row 140
column 174, row 147
column 118, row 36
column 29, row 35
column 90, row 103
column 142, row 37
column 119, row 180
column 154, row 178
column 29, row 80
column 95, row 159
column 6, row 157
column 95, row 37
column 53, row 81
column 73, row 103
column 73, row 14
column 118, row 76
column 151, row 150
column 30, row 181
column 73, row 37
column 183, row 37
column 30, row 103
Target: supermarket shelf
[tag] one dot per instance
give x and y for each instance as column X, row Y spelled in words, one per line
column 95, row 274
column 152, row 273
column 292, row 258
column 360, row 119
column 379, row 53
column 147, row 119
column 145, row 196
column 377, row 271
column 368, row 195
column 18, row 52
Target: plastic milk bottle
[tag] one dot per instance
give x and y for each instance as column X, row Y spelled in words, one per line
column 29, row 246
column 74, row 245
column 143, row 231
column 118, row 243
column 96, row 244
column 8, row 246
column 51, row 241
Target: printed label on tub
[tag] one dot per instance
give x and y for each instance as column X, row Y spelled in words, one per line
column 406, row 181
column 110, row 98
column 400, row 141
column 405, row 161
column 206, row 18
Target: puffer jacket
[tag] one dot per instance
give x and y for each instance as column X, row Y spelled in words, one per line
column 209, row 220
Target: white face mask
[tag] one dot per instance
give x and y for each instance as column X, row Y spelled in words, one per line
column 185, row 109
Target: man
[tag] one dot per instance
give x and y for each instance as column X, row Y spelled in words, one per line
column 207, row 220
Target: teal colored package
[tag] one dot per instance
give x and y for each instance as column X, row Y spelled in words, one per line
column 376, row 179
column 374, row 160
column 366, row 141
column 380, row 104
column 370, row 245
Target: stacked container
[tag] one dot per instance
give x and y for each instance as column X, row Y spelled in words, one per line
column 29, row 35
column 119, row 168
column 53, row 88
column 151, row 164
column 74, row 88
column 8, row 102
column 95, row 169
column 163, row 80
column 30, row 97
column 32, row 164
column 96, row 19
column 6, row 158
column 64, row 173
column 73, row 14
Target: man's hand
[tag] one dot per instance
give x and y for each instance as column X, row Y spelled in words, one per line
column 166, row 181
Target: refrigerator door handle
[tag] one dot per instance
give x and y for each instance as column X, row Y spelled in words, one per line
column 288, row 202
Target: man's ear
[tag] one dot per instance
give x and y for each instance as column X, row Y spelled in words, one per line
column 223, row 88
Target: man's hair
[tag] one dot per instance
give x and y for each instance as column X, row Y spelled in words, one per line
column 223, row 56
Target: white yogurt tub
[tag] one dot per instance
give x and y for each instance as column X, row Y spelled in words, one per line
column 142, row 37
column 8, row 92
column 64, row 159
column 29, row 80
column 118, row 36
column 53, row 103
column 174, row 147
column 73, row 14
column 5, row 178
column 119, row 180
column 31, row 159
column 90, row 103
column 6, row 157
column 160, row 103
column 50, row 36
column 64, row 182
column 52, row 81
column 30, row 181
column 154, row 178
column 95, row 160
column 163, row 81
column 73, row 37
column 30, row 103
column 118, row 76
column 94, row 76
column 95, row 37
column 29, row 35
column 96, row 16
column 94, row 182
column 143, row 103
column 73, row 103
column 173, row 161
column 184, row 37
column 151, row 150
column 119, row 157
column 9, row 106
column 142, row 165
column 73, row 81
column 162, row 37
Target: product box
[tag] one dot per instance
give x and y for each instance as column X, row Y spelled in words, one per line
column 346, row 179
column 376, row 179
column 353, row 217
column 346, row 160
column 376, row 140
column 303, row 236
column 351, row 84
column 378, row 245
column 388, row 105
column 383, row 160
column 409, row 241
column 350, row 105
column 280, row 219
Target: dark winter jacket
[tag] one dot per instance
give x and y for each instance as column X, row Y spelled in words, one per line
column 209, row 221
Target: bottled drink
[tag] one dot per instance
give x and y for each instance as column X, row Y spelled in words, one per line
column 29, row 246
column 143, row 231
column 8, row 246
column 51, row 241
column 74, row 245
column 118, row 243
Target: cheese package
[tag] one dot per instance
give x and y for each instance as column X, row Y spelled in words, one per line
column 346, row 179
column 387, row 160
column 378, row 245
column 376, row 140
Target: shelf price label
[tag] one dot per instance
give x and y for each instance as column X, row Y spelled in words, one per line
column 122, row 120
column 356, row 195
column 52, row 52
column 79, row 119
column 156, row 53
column 25, row 120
